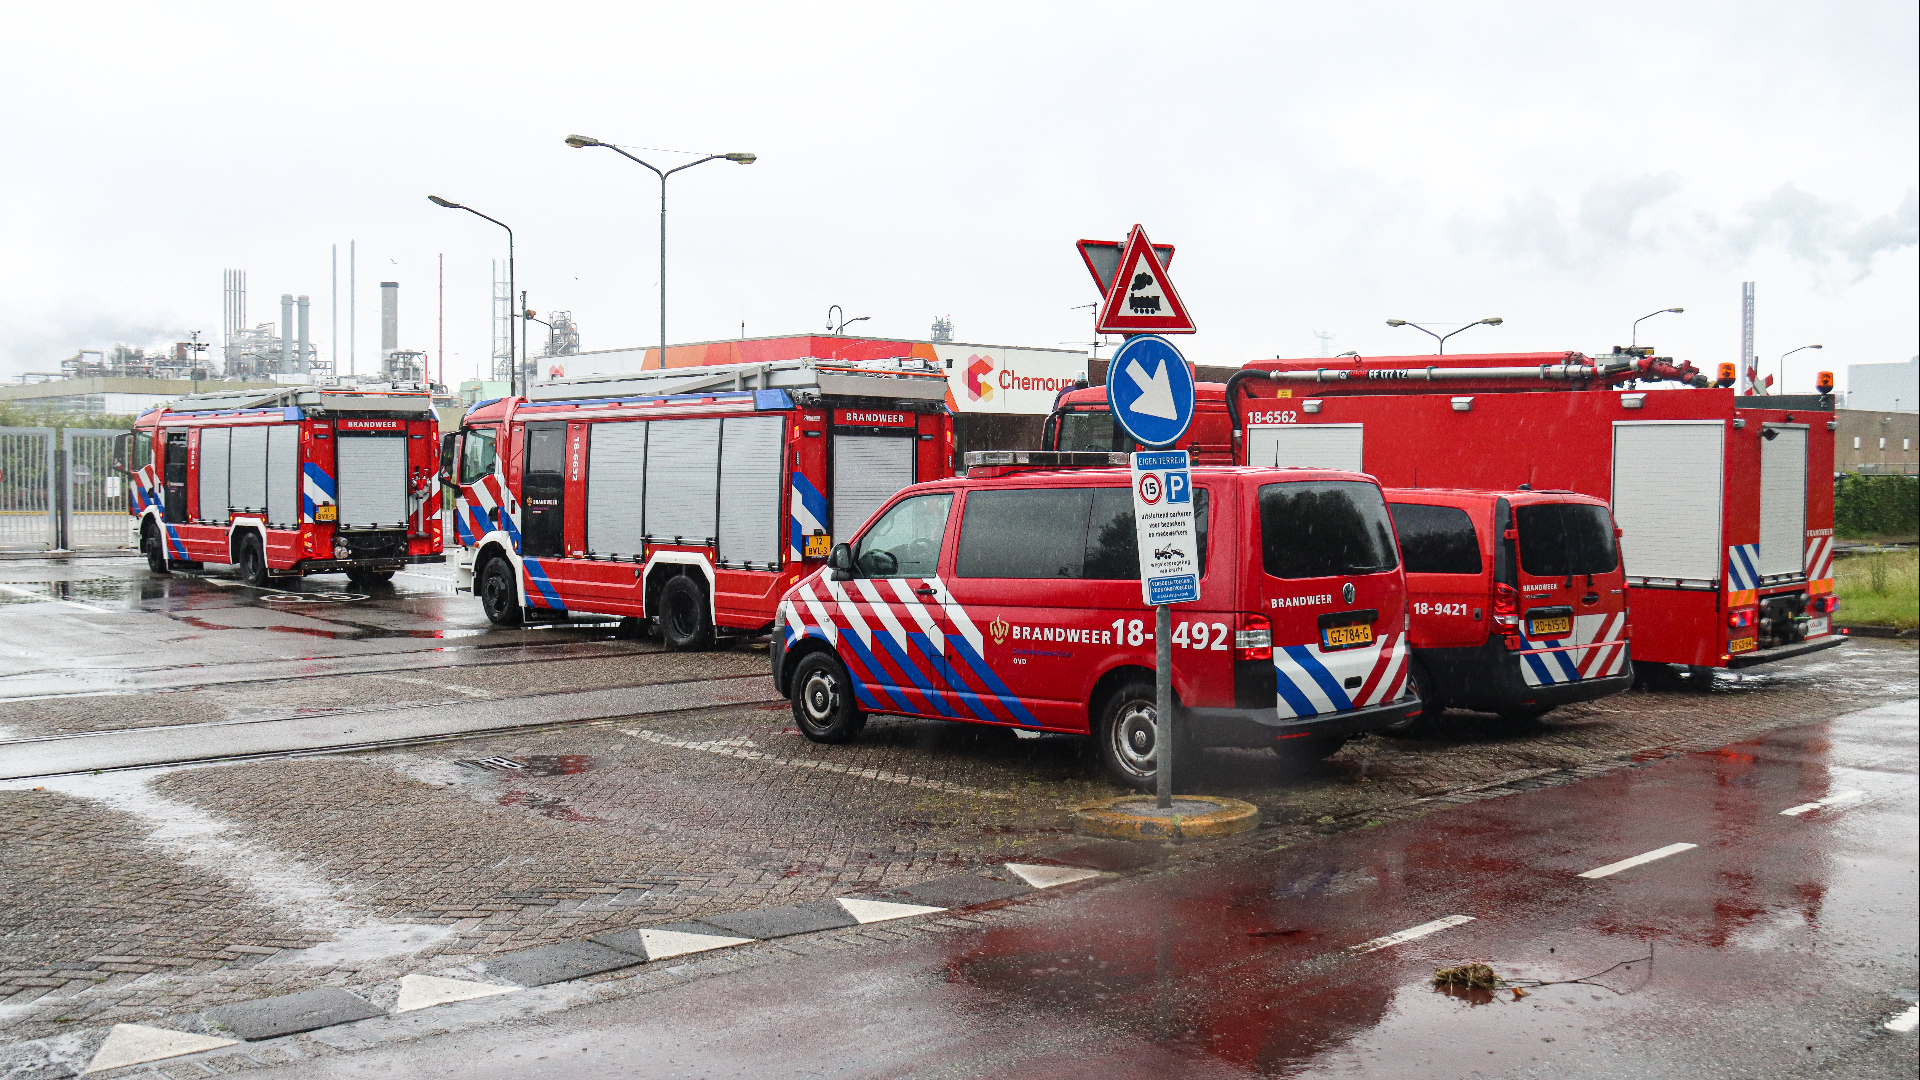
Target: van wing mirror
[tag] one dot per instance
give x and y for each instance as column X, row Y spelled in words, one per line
column 449, row 455
column 840, row 559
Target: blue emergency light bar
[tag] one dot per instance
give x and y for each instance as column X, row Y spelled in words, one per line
column 1044, row 459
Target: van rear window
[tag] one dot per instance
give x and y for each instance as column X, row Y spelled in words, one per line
column 1564, row 539
column 1325, row 528
column 1436, row 539
column 1057, row 533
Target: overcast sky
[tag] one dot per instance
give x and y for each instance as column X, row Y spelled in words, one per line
column 1319, row 167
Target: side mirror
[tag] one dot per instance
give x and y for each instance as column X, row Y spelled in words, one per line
column 840, row 560
column 449, row 455
column 120, row 452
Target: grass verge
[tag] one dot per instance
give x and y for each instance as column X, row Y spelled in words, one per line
column 1878, row 589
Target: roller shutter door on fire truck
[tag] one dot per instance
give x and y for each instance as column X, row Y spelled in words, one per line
column 283, row 475
column 1783, row 503
column 247, row 473
column 1311, row 446
column 371, row 471
column 1667, row 479
column 617, row 488
column 750, row 491
column 683, row 480
column 867, row 470
column 214, row 444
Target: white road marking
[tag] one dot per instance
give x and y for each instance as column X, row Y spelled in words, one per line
column 470, row 691
column 55, row 600
column 1412, row 933
column 1627, row 864
column 1840, row 799
column 424, row 991
column 132, row 1044
column 741, row 748
column 1046, row 877
column 868, row 911
column 1906, row 1021
column 661, row 944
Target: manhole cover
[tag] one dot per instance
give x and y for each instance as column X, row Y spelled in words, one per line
column 491, row 764
column 313, row 598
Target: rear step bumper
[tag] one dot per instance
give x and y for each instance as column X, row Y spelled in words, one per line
column 1784, row 652
column 335, row 566
column 1261, row 727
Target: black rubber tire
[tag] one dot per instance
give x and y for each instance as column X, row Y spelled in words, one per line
column 686, row 620
column 499, row 593
column 367, row 579
column 251, row 563
column 1431, row 708
column 1125, row 735
column 1311, row 748
column 155, row 550
column 824, row 706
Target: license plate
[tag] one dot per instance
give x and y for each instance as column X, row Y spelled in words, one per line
column 1744, row 644
column 819, row 547
column 1562, row 624
column 326, row 513
column 1339, row 637
column 1818, row 626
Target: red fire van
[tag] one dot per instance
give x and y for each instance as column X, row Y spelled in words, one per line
column 1011, row 596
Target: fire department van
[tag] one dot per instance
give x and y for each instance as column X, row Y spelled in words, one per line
column 1517, row 599
column 282, row 483
column 692, row 497
column 1011, row 596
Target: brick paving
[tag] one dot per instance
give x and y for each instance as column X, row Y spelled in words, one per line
column 194, row 887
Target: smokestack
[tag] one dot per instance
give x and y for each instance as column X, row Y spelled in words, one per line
column 300, row 342
column 286, row 332
column 389, row 317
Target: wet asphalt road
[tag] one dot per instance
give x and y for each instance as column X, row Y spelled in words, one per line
column 1780, row 945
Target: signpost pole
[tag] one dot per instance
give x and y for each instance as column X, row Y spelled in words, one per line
column 1163, row 706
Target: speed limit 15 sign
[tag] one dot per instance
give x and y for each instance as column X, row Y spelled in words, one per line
column 1164, row 528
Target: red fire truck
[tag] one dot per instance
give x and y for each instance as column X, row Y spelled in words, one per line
column 283, row 483
column 1726, row 502
column 692, row 497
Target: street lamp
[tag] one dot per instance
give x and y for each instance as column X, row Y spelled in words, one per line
column 1494, row 320
column 1783, row 363
column 513, row 364
column 579, row 141
column 844, row 321
column 1635, row 341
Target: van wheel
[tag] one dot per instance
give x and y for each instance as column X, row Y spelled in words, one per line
column 499, row 595
column 824, row 707
column 686, row 624
column 1126, row 734
column 252, row 563
column 1311, row 748
column 1430, row 706
column 155, row 551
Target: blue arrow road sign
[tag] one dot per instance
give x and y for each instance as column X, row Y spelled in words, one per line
column 1150, row 388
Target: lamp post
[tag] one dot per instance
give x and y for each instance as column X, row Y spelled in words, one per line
column 1494, row 320
column 1634, row 341
column 513, row 363
column 579, row 141
column 844, row 321
column 1783, row 363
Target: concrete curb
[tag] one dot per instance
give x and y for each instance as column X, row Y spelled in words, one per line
column 1878, row 631
column 1135, row 817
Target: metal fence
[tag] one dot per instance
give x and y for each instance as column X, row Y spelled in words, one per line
column 59, row 490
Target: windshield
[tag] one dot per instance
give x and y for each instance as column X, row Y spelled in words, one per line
column 1094, row 431
column 1565, row 539
column 1325, row 528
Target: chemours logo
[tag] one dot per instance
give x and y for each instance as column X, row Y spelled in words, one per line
column 978, row 388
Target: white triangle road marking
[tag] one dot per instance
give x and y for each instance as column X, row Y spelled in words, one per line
column 132, row 1044
column 868, row 911
column 1046, row 877
column 423, row 991
column 661, row 944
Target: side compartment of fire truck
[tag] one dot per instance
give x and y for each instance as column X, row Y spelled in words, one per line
column 1727, row 511
column 287, row 483
column 696, row 507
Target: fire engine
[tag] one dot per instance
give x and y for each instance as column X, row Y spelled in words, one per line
column 282, row 483
column 691, row 497
column 1012, row 597
column 1726, row 502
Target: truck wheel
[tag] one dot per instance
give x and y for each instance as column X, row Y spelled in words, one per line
column 154, row 549
column 1311, row 748
column 1126, row 735
column 824, row 707
column 686, row 624
column 252, row 563
column 499, row 595
column 1430, row 706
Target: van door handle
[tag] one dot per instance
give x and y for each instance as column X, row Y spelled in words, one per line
column 1590, row 598
column 924, row 590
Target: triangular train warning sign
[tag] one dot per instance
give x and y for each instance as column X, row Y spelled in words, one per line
column 1141, row 299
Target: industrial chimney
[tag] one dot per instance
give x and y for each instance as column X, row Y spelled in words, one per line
column 300, row 366
column 389, row 317
column 286, row 334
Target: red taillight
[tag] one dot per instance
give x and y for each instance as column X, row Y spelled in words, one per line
column 1740, row 618
column 1506, row 609
column 1254, row 639
column 1823, row 605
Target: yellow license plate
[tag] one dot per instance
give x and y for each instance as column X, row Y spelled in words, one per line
column 1339, row 636
column 1740, row 644
column 326, row 513
column 819, row 547
column 1545, row 627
